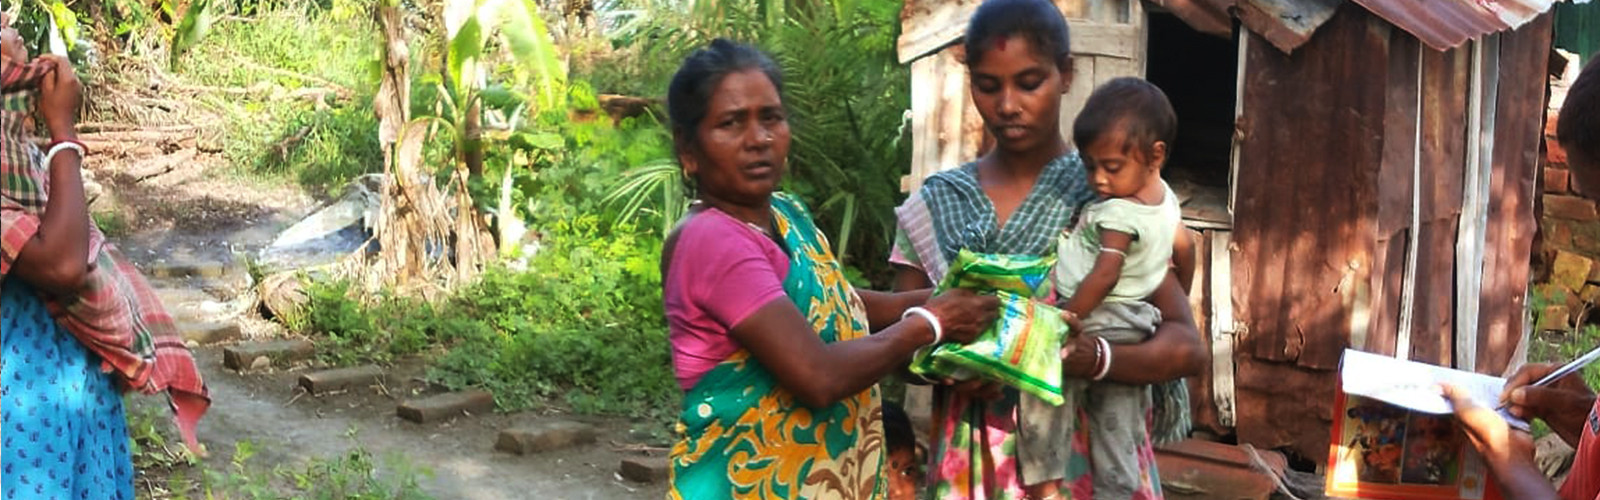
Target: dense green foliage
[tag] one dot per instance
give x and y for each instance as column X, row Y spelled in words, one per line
column 572, row 317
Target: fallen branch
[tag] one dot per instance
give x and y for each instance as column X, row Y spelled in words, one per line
column 95, row 127
column 161, row 166
column 259, row 87
column 147, row 136
column 288, row 144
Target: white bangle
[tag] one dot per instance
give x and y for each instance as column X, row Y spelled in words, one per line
column 62, row 146
column 1105, row 347
column 938, row 329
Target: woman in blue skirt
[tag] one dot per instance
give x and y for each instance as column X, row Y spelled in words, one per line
column 65, row 435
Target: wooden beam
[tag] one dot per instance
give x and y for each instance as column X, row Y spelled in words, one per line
column 1470, row 247
column 1221, row 326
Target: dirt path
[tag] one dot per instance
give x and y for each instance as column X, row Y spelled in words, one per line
column 188, row 226
column 290, row 427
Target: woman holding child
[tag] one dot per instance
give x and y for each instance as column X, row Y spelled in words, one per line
column 1017, row 199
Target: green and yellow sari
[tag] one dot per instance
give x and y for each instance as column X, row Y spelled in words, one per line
column 744, row 436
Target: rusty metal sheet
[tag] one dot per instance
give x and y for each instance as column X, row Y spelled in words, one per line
column 1519, row 117
column 1394, row 193
column 1433, row 319
column 1285, row 406
column 1445, row 88
column 1399, row 145
column 1303, row 221
column 1388, row 272
column 1288, row 24
column 1444, row 24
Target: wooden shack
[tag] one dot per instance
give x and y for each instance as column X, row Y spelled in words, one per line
column 1362, row 174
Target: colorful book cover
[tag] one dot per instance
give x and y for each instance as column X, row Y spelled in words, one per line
column 1382, row 451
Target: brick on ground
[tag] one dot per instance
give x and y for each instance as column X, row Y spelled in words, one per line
column 326, row 381
column 276, row 352
column 545, row 436
column 209, row 332
column 445, row 406
column 170, row 270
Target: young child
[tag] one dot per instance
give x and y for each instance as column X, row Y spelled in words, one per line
column 1117, row 255
column 905, row 455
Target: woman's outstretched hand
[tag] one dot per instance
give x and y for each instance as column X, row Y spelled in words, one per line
column 964, row 314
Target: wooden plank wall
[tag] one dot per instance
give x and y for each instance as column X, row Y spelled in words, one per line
column 946, row 128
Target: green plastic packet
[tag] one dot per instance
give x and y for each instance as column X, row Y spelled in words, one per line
column 1021, row 348
column 1024, row 275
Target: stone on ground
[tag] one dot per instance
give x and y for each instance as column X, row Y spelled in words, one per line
column 1553, row 455
column 1570, row 270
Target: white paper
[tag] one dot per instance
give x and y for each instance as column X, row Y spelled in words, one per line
column 1415, row 386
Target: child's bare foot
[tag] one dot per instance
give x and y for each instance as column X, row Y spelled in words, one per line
column 1048, row 490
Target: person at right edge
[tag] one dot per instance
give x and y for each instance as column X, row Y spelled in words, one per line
column 1568, row 406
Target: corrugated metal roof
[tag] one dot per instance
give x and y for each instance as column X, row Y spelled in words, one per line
column 928, row 25
column 1444, row 24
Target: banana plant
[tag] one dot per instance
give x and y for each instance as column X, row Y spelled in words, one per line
column 195, row 25
column 470, row 26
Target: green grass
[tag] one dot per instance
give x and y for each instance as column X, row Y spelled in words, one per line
column 112, row 224
column 581, row 328
column 168, row 471
column 270, row 131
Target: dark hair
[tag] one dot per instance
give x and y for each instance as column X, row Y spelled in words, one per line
column 690, row 91
column 1578, row 127
column 1139, row 107
column 897, row 432
column 1039, row 21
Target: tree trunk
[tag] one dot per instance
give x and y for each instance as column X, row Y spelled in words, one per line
column 472, row 141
